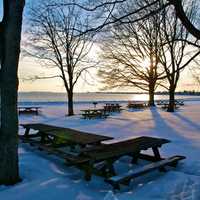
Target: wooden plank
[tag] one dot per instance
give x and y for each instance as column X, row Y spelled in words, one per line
column 77, row 137
column 70, row 157
column 71, row 135
column 120, row 179
column 126, row 147
column 40, row 126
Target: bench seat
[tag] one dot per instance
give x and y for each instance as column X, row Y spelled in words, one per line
column 125, row 178
column 70, row 157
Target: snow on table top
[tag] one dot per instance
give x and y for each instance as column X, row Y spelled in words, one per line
column 47, row 178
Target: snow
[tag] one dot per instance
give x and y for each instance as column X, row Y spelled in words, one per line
column 46, row 177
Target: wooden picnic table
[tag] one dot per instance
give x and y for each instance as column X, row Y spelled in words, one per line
column 165, row 103
column 94, row 113
column 109, row 153
column 101, row 159
column 48, row 133
column 29, row 109
column 95, row 157
column 137, row 104
column 112, row 107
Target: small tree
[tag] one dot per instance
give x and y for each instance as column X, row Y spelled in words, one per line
column 55, row 39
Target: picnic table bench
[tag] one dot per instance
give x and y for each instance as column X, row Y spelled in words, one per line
column 29, row 110
column 125, row 178
column 94, row 113
column 87, row 152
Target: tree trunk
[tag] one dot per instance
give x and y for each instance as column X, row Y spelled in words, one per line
column 70, row 103
column 171, row 99
column 12, row 22
column 151, row 94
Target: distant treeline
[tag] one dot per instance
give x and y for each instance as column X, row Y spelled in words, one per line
column 192, row 92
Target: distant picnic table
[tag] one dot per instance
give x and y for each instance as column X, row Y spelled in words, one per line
column 97, row 158
column 94, row 113
column 29, row 109
column 165, row 103
column 137, row 104
column 111, row 107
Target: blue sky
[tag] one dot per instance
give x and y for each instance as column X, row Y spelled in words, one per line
column 1, row 12
column 29, row 67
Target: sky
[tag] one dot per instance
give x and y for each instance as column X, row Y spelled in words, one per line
column 29, row 68
column 1, row 13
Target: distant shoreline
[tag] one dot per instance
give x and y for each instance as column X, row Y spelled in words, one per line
column 189, row 93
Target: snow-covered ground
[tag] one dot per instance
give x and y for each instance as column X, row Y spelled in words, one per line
column 46, row 177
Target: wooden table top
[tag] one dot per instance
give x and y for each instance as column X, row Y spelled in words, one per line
column 94, row 109
column 77, row 137
column 85, row 110
column 29, row 107
column 40, row 126
column 68, row 134
column 124, row 147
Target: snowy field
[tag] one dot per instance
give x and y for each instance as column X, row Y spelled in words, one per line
column 46, row 177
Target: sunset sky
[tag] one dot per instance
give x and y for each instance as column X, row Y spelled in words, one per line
column 29, row 68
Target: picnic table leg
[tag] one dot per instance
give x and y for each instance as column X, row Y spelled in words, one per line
column 156, row 153
column 111, row 169
column 26, row 134
column 135, row 157
column 43, row 136
column 108, row 169
column 88, row 171
column 158, row 157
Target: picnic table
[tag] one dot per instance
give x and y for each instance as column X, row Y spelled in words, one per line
column 112, row 107
column 165, row 103
column 101, row 159
column 137, row 104
column 53, row 135
column 94, row 113
column 95, row 157
column 109, row 153
column 29, row 109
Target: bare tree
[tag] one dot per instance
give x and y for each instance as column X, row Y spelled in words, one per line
column 175, row 53
column 130, row 55
column 10, row 35
column 178, row 6
column 54, row 39
column 181, row 14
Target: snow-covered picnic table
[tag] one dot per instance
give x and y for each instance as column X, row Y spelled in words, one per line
column 86, row 152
